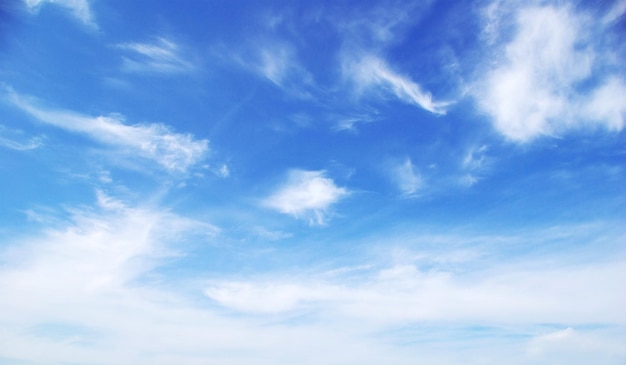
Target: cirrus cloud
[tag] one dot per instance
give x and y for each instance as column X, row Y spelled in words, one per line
column 174, row 152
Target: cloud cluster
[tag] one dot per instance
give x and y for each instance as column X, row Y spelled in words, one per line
column 552, row 76
column 307, row 194
column 174, row 152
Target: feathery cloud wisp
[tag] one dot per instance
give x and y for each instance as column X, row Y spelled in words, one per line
column 18, row 144
column 161, row 56
column 407, row 178
column 173, row 151
column 371, row 72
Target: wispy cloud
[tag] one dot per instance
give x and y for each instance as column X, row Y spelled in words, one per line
column 307, row 194
column 174, row 152
column 535, row 88
column 407, row 178
column 79, row 8
column 16, row 143
column 276, row 61
column 161, row 56
column 474, row 163
column 371, row 73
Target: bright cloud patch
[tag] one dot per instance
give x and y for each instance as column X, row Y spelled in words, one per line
column 173, row 151
column 306, row 193
column 371, row 72
column 79, row 8
column 162, row 56
column 536, row 87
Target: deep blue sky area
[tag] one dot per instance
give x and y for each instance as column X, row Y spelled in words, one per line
column 315, row 182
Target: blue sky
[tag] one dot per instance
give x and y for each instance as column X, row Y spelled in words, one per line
column 340, row 182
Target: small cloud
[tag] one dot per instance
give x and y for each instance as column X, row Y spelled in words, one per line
column 371, row 72
column 474, row 164
column 80, row 9
column 223, row 171
column 475, row 158
column 407, row 179
column 161, row 56
column 104, row 177
column 349, row 122
column 15, row 142
column 270, row 234
column 469, row 180
column 306, row 194
column 277, row 62
column 259, row 298
column 174, row 152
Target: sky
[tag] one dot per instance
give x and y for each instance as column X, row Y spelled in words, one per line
column 312, row 182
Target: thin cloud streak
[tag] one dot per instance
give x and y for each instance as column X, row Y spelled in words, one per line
column 17, row 144
column 160, row 56
column 173, row 151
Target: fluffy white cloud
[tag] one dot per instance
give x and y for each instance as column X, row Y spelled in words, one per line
column 162, row 56
column 535, row 88
column 306, row 194
column 79, row 8
column 371, row 73
column 173, row 151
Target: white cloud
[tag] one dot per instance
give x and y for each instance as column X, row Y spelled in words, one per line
column 277, row 61
column 372, row 73
column 407, row 178
column 173, row 151
column 473, row 164
column 534, row 89
column 79, row 8
column 161, row 56
column 16, row 142
column 306, row 194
